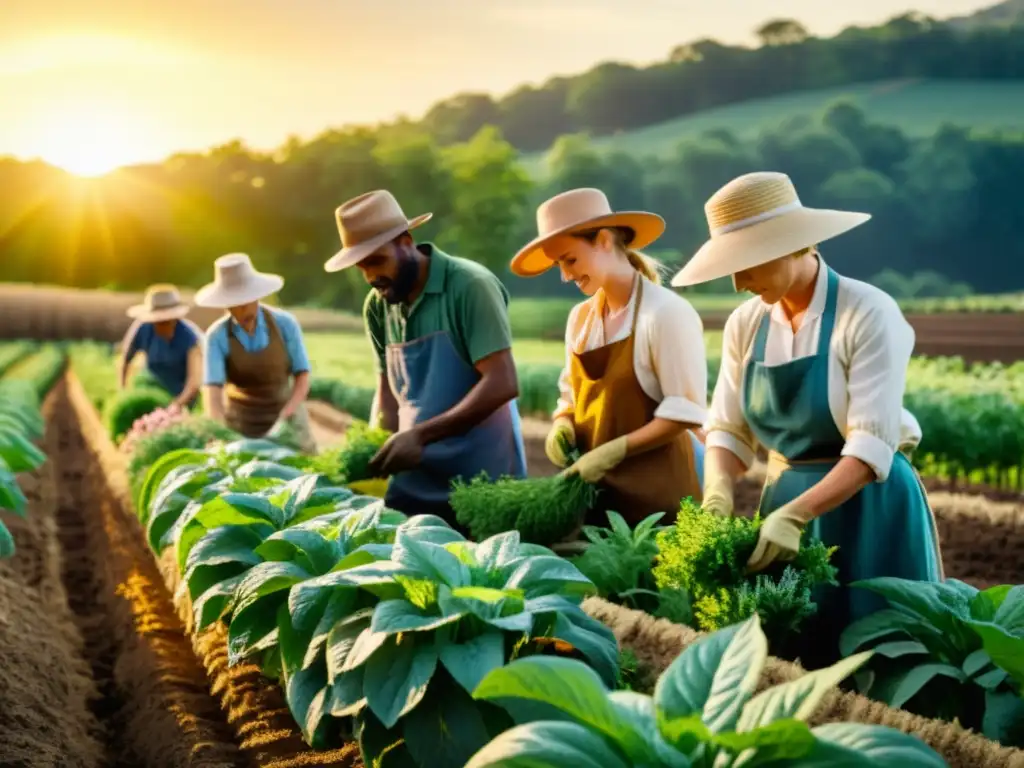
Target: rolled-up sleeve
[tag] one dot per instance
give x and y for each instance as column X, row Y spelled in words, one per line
column 676, row 339
column 726, row 425
column 566, row 403
column 215, row 352
column 881, row 344
column 291, row 335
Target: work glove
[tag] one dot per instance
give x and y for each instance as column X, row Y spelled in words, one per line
column 595, row 464
column 277, row 429
column 718, row 492
column 779, row 536
column 560, row 440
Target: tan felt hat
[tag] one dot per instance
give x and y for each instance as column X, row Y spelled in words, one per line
column 575, row 211
column 162, row 302
column 367, row 222
column 757, row 218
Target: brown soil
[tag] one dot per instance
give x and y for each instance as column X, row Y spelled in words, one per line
column 657, row 643
column 254, row 707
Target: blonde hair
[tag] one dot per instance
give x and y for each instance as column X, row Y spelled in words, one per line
column 646, row 265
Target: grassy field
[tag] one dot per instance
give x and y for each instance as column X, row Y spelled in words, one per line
column 917, row 107
column 348, row 357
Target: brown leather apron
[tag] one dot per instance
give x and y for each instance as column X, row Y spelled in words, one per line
column 610, row 403
column 258, row 383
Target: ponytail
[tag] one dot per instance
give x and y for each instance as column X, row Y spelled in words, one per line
column 645, row 265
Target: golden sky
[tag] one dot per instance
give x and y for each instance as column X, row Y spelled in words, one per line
column 94, row 83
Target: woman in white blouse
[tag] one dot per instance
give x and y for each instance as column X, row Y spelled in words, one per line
column 634, row 388
column 813, row 368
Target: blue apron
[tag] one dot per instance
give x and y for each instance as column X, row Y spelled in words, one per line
column 428, row 377
column 886, row 529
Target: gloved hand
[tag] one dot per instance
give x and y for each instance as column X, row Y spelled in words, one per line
column 560, row 440
column 718, row 492
column 593, row 465
column 779, row 536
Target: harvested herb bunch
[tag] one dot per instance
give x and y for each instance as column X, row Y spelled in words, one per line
column 350, row 462
column 545, row 510
column 706, row 555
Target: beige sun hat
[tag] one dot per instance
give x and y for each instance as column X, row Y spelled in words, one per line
column 236, row 282
column 162, row 302
column 757, row 218
column 575, row 211
column 365, row 223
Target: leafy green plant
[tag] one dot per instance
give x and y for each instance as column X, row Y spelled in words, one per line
column 20, row 423
column 194, row 433
column 350, row 461
column 450, row 612
column 946, row 649
column 619, row 562
column 706, row 555
column 703, row 714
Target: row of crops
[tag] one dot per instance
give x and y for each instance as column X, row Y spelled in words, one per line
column 422, row 646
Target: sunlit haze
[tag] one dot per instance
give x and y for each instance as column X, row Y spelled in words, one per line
column 93, row 85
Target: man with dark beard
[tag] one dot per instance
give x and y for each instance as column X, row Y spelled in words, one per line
column 440, row 329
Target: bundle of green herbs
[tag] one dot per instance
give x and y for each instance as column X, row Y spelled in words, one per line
column 350, row 462
column 706, row 556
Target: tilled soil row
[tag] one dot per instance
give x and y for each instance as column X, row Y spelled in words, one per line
column 47, row 692
column 156, row 704
column 253, row 707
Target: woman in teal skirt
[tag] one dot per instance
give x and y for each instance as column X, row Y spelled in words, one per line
column 813, row 369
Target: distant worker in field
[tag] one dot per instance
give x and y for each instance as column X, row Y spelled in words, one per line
column 633, row 393
column 813, row 368
column 257, row 369
column 442, row 339
column 169, row 342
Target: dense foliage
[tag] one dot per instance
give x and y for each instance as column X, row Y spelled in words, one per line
column 20, row 423
column 703, row 713
column 946, row 650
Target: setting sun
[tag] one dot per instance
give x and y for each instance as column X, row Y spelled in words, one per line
column 90, row 139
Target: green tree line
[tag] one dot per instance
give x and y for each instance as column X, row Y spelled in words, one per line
column 949, row 204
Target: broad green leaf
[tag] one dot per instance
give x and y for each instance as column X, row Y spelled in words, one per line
column 1010, row 614
column 307, row 548
column 227, row 509
column 619, row 525
column 976, row 662
column 212, row 604
column 591, row 638
column 798, row 698
column 308, row 599
column 991, row 679
column 713, row 677
column 394, row 616
column 18, row 452
column 497, row 551
column 366, row 645
column 397, row 677
column 12, row 499
column 447, row 725
column 7, row 547
column 268, row 469
column 898, row 648
column 544, row 575
column 910, row 682
column 838, row 745
column 637, row 710
column 1005, row 650
column 567, row 684
column 1004, row 717
column 883, row 623
column 471, row 661
column 784, row 739
column 548, row 745
column 945, row 606
column 431, row 561
column 346, row 696
column 340, row 607
column 160, row 469
column 341, row 639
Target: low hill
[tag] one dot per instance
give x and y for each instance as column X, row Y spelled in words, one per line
column 917, row 106
column 1006, row 13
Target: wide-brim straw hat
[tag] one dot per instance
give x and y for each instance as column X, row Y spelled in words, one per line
column 758, row 218
column 367, row 222
column 237, row 282
column 580, row 210
column 161, row 303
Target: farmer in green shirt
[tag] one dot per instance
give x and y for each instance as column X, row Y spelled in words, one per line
column 440, row 331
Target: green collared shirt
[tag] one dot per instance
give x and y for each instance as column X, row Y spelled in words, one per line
column 461, row 297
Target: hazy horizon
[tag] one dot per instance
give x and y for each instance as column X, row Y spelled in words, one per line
column 141, row 81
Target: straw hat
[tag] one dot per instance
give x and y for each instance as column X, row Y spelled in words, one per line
column 757, row 218
column 579, row 210
column 365, row 223
column 236, row 282
column 162, row 302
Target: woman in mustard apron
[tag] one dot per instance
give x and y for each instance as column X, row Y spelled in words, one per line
column 813, row 368
column 634, row 388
